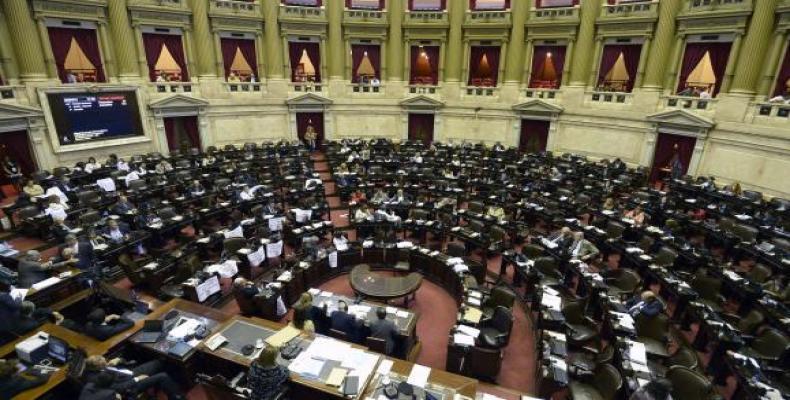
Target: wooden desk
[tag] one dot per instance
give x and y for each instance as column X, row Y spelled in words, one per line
column 381, row 287
column 438, row 378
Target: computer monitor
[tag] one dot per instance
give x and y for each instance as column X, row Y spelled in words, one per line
column 58, row 349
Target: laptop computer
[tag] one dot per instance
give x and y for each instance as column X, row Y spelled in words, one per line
column 151, row 332
column 57, row 350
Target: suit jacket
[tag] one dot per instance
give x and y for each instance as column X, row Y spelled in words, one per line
column 17, row 384
column 586, row 250
column 122, row 227
column 122, row 208
column 9, row 311
column 105, row 331
column 385, row 329
column 85, row 254
column 343, row 322
column 91, row 392
column 60, row 232
column 30, row 272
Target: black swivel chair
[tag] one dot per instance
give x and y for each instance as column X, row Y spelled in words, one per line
column 604, row 384
column 495, row 332
column 483, row 363
column 690, row 384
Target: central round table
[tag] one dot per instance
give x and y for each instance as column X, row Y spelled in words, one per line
column 374, row 285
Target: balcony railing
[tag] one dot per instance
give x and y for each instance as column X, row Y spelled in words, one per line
column 609, row 97
column 773, row 110
column 171, row 87
column 635, row 9
column 488, row 17
column 168, row 4
column 689, row 103
column 481, row 91
column 236, row 8
column 365, row 16
column 10, row 92
column 423, row 89
column 554, row 13
column 540, row 93
column 302, row 13
column 243, row 87
column 365, row 89
column 426, row 17
column 709, row 5
column 305, row 87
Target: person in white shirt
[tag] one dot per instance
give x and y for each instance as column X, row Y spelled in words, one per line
column 340, row 241
column 379, row 197
column 705, row 94
column 246, row 194
column 122, row 165
column 131, row 176
column 91, row 165
column 363, row 214
column 56, row 209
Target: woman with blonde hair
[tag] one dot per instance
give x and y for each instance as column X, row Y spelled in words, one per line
column 266, row 376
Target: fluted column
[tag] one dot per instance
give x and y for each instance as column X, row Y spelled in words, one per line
column 395, row 12
column 674, row 62
column 757, row 40
column 202, row 40
column 514, row 64
column 592, row 79
column 334, row 14
column 729, row 72
column 274, row 43
column 27, row 47
column 640, row 69
column 452, row 62
column 123, row 39
column 661, row 46
column 778, row 43
column 585, row 42
column 566, row 69
column 7, row 57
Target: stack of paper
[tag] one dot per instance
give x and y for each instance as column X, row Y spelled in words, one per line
column 419, row 375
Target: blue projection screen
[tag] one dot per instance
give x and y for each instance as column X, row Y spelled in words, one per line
column 85, row 117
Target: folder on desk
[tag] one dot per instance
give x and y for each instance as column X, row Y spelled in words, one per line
column 473, row 315
column 336, row 377
column 282, row 336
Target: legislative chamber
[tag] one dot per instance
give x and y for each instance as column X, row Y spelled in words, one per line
column 394, row 199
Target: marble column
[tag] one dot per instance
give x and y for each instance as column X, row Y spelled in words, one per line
column 123, row 39
column 514, row 63
column 274, row 42
column 757, row 40
column 661, row 45
column 27, row 46
column 334, row 15
column 729, row 72
column 778, row 45
column 395, row 13
column 452, row 62
column 8, row 65
column 585, row 42
column 202, row 41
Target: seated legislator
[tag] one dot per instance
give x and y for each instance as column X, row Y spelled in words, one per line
column 32, row 188
column 13, row 382
column 102, row 326
column 342, row 320
column 267, row 378
column 59, row 229
column 123, row 206
column 116, row 232
column 91, row 165
column 83, row 251
column 340, row 241
column 609, row 204
column 163, row 167
column 497, row 212
column 110, row 379
column 382, row 328
column 56, row 209
column 30, row 318
column 363, row 214
column 31, row 270
column 582, row 249
column 646, row 304
column 562, row 238
column 196, row 189
column 357, row 196
column 637, row 215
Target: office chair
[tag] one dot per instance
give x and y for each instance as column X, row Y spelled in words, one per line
column 684, row 356
column 532, row 251
column 339, row 335
column 477, row 207
column 614, row 230
column 88, row 198
column 40, row 176
column 665, row 257
column 376, row 344
column 746, row 325
column 483, row 363
column 137, row 185
column 770, row 345
column 132, row 269
column 759, row 273
column 89, row 218
column 654, row 333
column 500, row 296
column 495, row 332
column 547, row 271
column 167, row 213
column 604, row 383
column 60, row 171
column 709, row 290
column 689, row 384
column 624, row 284
column 590, row 361
column 232, row 245
column 456, row 249
column 580, row 328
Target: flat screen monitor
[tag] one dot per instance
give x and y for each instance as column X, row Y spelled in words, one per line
column 85, row 117
column 57, row 349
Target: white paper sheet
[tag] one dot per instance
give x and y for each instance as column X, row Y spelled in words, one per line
column 419, row 375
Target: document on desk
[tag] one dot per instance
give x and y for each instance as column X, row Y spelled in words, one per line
column 207, row 288
column 463, row 340
column 362, row 363
column 306, row 366
column 45, row 283
column 283, row 336
column 336, row 377
column 384, row 367
column 551, row 302
column 328, row 349
column 419, row 375
column 473, row 315
column 257, row 257
column 637, row 352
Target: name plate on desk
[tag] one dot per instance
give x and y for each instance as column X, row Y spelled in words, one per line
column 207, row 288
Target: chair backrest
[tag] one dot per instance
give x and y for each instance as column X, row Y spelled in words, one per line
column 707, row 287
column 477, row 226
column 484, row 363
column 745, row 233
column 759, row 273
column 167, row 213
column 608, row 381
column 376, row 344
column 502, row 296
column 88, row 197
column 532, row 251
column 752, row 195
column 665, row 257
column 684, row 356
column 40, row 176
column 545, row 265
column 337, row 334
column 614, row 230
column 771, row 343
column 221, row 183
column 502, row 320
column 749, row 324
column 90, row 217
column 655, row 327
column 136, row 185
column 573, row 311
column 456, row 249
column 497, row 233
column 688, row 384
column 60, row 171
column 628, row 280
column 233, row 245
column 476, row 206
column 27, row 212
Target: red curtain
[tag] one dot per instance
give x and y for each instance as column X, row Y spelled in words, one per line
column 60, row 40
column 316, row 119
column 475, row 56
column 719, row 53
column 631, row 53
column 295, row 54
column 16, row 145
column 555, row 3
column 154, row 42
column 665, row 153
column 357, row 5
column 358, row 52
column 489, row 5
column 179, row 128
column 783, row 75
column 427, row 5
column 421, row 127
column 247, row 47
column 170, row 132
column 534, row 135
column 433, row 59
column 538, row 58
column 192, row 130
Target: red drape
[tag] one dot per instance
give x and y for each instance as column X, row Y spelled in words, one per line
column 421, row 127
column 60, row 40
column 433, row 58
column 665, row 152
column 358, row 52
column 783, row 75
column 538, row 58
column 367, row 5
column 295, row 54
column 153, row 43
column 179, row 128
column 489, row 5
column 555, row 3
column 192, row 130
column 247, row 47
column 316, row 119
column 170, row 132
column 719, row 53
column 631, row 53
column 17, row 146
column 475, row 55
column 534, row 135
column 427, row 5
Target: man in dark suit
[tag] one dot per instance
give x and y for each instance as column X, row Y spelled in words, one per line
column 31, row 270
column 31, row 318
column 123, row 206
column 9, row 309
column 102, row 326
column 108, row 378
column 342, row 320
column 84, row 252
column 116, row 232
column 59, row 229
column 13, row 383
column 385, row 329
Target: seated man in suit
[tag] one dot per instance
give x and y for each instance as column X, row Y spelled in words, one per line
column 102, row 326
column 646, row 304
column 195, row 189
column 83, row 252
column 60, row 229
column 382, row 328
column 582, row 249
column 110, row 379
column 31, row 318
column 31, row 270
column 116, row 232
column 342, row 320
column 13, row 382
column 562, row 238
column 123, row 206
